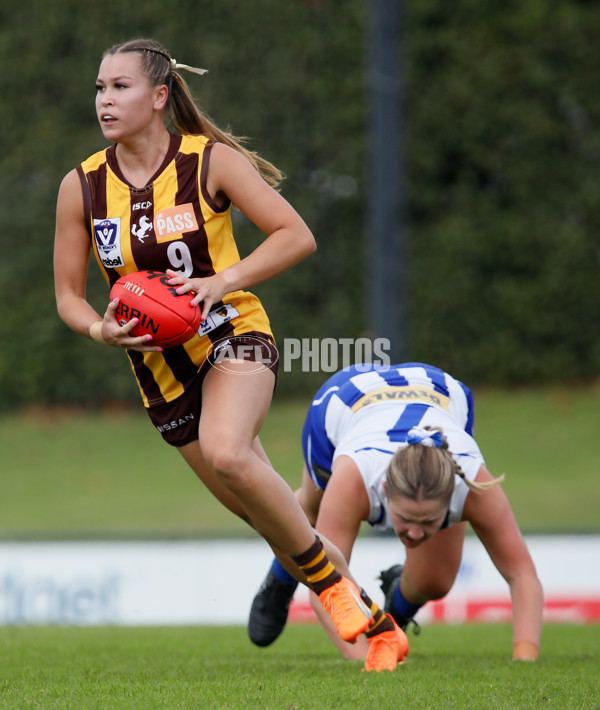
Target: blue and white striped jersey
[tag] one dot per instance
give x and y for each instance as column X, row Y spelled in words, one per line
column 365, row 412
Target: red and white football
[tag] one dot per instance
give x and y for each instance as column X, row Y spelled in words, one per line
column 165, row 314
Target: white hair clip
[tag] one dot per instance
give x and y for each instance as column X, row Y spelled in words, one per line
column 175, row 65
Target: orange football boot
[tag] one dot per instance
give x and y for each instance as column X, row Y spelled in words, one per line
column 350, row 615
column 386, row 649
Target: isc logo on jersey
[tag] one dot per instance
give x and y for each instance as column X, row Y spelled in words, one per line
column 172, row 222
column 107, row 233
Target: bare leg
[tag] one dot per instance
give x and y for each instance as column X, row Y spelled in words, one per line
column 193, row 456
column 309, row 496
column 233, row 409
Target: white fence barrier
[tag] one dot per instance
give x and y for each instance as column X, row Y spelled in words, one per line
column 213, row 582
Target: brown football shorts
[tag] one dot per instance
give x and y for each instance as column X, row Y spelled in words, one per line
column 177, row 421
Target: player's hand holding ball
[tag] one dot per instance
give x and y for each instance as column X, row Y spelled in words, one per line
column 147, row 314
column 111, row 332
column 206, row 291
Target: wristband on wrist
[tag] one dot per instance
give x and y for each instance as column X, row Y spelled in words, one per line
column 525, row 651
column 95, row 331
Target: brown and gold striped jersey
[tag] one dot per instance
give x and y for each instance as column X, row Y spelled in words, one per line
column 170, row 223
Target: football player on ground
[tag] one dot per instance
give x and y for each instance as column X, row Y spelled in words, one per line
column 394, row 447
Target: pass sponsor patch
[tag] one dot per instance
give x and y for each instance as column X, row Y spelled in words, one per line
column 172, row 222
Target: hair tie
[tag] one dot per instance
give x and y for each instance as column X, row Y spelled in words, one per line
column 425, row 437
column 175, row 65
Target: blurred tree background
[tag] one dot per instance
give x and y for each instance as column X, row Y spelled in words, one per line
column 502, row 119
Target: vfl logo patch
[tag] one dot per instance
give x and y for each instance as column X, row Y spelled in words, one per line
column 107, row 233
column 172, row 222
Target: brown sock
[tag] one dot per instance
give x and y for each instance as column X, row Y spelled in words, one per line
column 380, row 622
column 319, row 570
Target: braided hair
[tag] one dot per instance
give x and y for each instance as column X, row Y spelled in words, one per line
column 425, row 469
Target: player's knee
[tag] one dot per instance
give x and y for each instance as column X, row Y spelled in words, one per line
column 436, row 589
column 228, row 460
column 224, row 461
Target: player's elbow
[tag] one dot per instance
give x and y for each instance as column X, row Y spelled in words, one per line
column 306, row 244
column 527, row 584
column 311, row 244
column 64, row 307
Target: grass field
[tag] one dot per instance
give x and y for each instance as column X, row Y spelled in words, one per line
column 106, row 474
column 209, row 667
column 71, row 474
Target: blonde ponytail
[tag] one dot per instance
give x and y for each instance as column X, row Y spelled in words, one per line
column 478, row 485
column 187, row 118
column 184, row 115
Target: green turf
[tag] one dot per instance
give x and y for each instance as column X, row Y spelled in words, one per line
column 209, row 667
column 96, row 474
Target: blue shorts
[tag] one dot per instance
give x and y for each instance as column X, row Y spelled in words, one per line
column 317, row 449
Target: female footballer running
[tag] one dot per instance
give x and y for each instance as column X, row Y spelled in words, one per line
column 113, row 204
